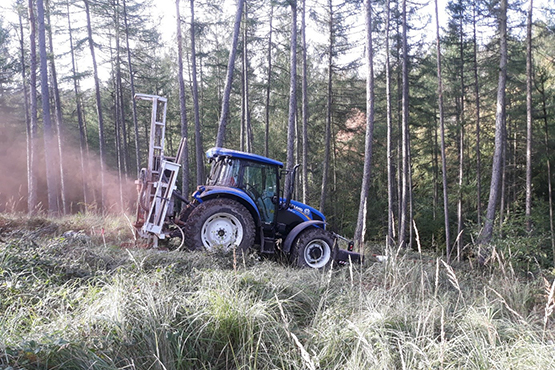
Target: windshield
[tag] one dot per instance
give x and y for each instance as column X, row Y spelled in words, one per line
column 225, row 172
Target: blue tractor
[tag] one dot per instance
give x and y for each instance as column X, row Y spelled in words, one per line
column 241, row 206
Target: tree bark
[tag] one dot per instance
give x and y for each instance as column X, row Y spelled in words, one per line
column 132, row 87
column 460, row 221
column 442, row 135
column 48, row 135
column 292, row 96
column 30, row 101
column 220, row 139
column 497, row 167
column 248, row 125
column 82, row 137
column 360, row 230
column 182, row 104
column 390, row 240
column 404, row 196
column 268, row 84
column 119, row 95
column 305, row 111
column 529, row 119
column 117, row 120
column 98, row 105
column 327, row 137
column 548, row 164
column 477, row 103
column 58, row 111
column 198, row 129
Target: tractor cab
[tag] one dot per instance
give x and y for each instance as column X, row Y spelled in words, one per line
column 255, row 176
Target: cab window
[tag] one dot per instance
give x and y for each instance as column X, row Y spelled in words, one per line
column 259, row 182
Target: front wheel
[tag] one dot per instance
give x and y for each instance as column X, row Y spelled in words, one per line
column 313, row 248
column 220, row 225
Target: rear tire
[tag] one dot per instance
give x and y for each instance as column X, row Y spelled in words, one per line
column 219, row 225
column 313, row 248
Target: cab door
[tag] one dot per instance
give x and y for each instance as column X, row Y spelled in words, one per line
column 260, row 183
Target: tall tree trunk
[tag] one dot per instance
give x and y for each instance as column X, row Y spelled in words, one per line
column 477, row 103
column 434, row 144
column 58, row 111
column 305, row 112
column 268, row 84
column 503, row 187
column 117, row 124
column 442, row 135
column 132, row 86
column 120, row 101
column 497, row 167
column 30, row 108
column 118, row 118
column 529, row 119
column 360, row 230
column 198, row 129
column 49, row 157
column 248, row 127
column 220, row 139
column 548, row 163
column 390, row 172
column 98, row 105
column 182, row 105
column 404, row 196
column 327, row 138
column 82, row 136
column 460, row 222
column 292, row 97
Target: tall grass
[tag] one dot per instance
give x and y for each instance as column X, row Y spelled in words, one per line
column 83, row 301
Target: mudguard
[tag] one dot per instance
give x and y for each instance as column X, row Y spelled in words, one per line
column 290, row 239
column 215, row 191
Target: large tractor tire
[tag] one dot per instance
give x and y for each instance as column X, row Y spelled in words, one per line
column 313, row 248
column 220, row 225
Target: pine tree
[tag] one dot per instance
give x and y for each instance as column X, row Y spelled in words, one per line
column 220, row 139
column 198, row 128
column 361, row 220
column 500, row 117
column 182, row 104
column 48, row 133
column 100, row 116
column 292, row 96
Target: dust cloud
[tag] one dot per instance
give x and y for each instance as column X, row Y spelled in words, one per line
column 82, row 182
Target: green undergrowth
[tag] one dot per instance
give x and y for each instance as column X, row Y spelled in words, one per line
column 73, row 297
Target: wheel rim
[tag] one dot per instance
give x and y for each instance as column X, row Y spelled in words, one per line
column 221, row 231
column 317, row 253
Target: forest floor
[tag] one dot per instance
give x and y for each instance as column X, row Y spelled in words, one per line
column 77, row 293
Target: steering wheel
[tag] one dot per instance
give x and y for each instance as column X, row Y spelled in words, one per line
column 251, row 189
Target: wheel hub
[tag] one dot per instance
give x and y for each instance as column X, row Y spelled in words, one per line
column 317, row 253
column 221, row 231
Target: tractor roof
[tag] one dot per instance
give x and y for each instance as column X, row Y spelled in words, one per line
column 222, row 152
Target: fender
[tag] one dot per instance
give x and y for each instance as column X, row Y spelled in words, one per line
column 210, row 192
column 297, row 230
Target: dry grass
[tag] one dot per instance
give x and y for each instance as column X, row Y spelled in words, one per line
column 84, row 301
